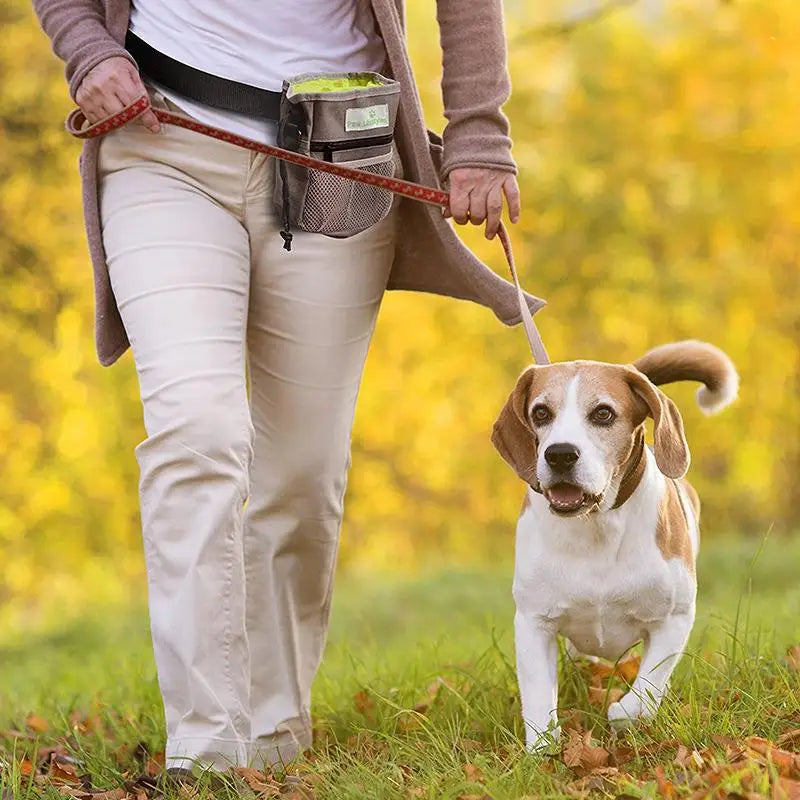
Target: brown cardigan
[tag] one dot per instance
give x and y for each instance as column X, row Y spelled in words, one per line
column 429, row 255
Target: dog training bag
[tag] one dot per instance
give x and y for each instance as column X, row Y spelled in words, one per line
column 345, row 118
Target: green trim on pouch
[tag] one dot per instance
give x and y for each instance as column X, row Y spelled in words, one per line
column 319, row 85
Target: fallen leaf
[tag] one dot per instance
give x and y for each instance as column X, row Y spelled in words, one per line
column 258, row 782
column 363, row 701
column 579, row 751
column 417, row 791
column 25, row 767
column 787, row 764
column 663, row 785
column 628, row 669
column 113, row 794
column 601, row 697
column 73, row 791
column 793, row 658
column 154, row 765
column 791, row 737
column 473, row 773
column 786, row 789
column 37, row 723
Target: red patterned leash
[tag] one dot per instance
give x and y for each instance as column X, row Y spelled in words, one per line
column 77, row 125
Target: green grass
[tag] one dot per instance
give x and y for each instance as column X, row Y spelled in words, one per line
column 391, row 640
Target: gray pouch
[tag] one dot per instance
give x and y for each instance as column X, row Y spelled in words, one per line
column 345, row 118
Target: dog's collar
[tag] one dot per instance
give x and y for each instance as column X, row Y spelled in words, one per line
column 633, row 475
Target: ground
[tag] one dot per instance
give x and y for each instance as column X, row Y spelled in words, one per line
column 417, row 698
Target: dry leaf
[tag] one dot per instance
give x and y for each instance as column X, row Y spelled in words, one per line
column 25, row 767
column 579, row 752
column 786, row 789
column 363, row 701
column 793, row 658
column 37, row 723
column 417, row 791
column 154, row 765
column 787, row 764
column 629, row 668
column 664, row 786
column 600, row 696
column 113, row 794
column 791, row 737
column 473, row 773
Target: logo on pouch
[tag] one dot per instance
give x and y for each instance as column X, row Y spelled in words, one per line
column 365, row 119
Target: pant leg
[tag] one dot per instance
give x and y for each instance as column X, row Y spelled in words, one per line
column 312, row 312
column 179, row 262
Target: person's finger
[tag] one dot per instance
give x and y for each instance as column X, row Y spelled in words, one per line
column 477, row 205
column 511, row 190
column 494, row 208
column 459, row 204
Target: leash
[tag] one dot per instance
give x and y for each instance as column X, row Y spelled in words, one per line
column 77, row 125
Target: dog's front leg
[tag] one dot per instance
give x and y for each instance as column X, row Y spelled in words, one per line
column 537, row 673
column 662, row 651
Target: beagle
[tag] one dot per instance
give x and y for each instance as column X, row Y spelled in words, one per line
column 608, row 534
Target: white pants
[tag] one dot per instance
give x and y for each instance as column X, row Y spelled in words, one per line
column 241, row 502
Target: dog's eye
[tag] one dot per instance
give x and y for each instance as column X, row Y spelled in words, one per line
column 541, row 414
column 603, row 415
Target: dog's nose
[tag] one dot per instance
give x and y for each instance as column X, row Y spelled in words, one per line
column 562, row 456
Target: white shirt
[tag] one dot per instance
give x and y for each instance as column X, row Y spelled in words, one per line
column 259, row 43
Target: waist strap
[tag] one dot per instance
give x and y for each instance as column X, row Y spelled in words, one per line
column 200, row 86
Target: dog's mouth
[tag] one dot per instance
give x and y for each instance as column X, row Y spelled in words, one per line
column 568, row 500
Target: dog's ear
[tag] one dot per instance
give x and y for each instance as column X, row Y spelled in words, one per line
column 513, row 435
column 669, row 440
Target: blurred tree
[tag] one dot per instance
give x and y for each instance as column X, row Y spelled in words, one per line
column 662, row 201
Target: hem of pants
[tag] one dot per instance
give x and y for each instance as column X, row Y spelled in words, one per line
column 292, row 738
column 206, row 753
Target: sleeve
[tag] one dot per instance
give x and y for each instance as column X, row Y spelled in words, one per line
column 475, row 85
column 79, row 36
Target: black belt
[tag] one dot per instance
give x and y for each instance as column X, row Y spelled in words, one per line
column 202, row 86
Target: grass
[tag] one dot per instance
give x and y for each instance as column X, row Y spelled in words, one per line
column 441, row 640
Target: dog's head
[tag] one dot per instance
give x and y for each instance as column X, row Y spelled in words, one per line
column 569, row 429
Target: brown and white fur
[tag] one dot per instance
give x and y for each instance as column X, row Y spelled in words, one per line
column 608, row 534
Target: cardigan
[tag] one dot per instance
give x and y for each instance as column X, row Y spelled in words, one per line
column 429, row 256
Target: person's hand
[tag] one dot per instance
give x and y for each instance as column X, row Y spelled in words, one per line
column 476, row 195
column 109, row 87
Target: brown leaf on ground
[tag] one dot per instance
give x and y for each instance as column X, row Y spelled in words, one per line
column 793, row 658
column 62, row 769
column 786, row 789
column 260, row 783
column 25, row 767
column 664, row 785
column 572, row 719
column 789, row 739
column 74, row 791
column 599, row 780
column 601, row 697
column 689, row 759
column 621, row 755
column 470, row 745
column 112, row 794
column 787, row 764
column 154, row 765
column 579, row 752
column 363, row 702
column 629, row 668
column 417, row 791
column 473, row 773
column 37, row 723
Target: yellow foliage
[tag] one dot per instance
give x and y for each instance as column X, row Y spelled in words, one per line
column 659, row 170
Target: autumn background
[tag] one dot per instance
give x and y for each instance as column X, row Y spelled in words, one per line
column 658, row 149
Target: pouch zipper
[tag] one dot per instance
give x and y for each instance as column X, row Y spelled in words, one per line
column 328, row 148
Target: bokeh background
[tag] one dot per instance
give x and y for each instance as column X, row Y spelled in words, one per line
column 658, row 149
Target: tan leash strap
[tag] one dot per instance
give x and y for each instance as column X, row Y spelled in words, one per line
column 78, row 126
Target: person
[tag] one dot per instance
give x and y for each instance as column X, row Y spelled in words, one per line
column 241, row 493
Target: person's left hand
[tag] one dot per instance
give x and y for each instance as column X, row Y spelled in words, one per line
column 476, row 195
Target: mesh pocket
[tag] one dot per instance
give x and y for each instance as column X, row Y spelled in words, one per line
column 340, row 207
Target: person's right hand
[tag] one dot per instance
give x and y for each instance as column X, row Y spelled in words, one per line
column 109, row 87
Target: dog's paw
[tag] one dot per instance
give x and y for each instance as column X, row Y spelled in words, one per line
column 629, row 709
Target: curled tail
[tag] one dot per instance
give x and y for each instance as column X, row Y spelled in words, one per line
column 694, row 361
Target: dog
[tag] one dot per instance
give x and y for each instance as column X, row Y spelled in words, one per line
column 608, row 534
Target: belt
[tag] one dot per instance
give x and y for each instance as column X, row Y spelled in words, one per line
column 203, row 87
column 78, row 126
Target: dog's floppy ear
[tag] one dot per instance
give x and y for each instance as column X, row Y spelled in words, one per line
column 669, row 441
column 513, row 435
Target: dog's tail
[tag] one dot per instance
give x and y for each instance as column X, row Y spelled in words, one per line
column 694, row 361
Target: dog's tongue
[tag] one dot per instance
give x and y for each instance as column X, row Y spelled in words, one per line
column 565, row 495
